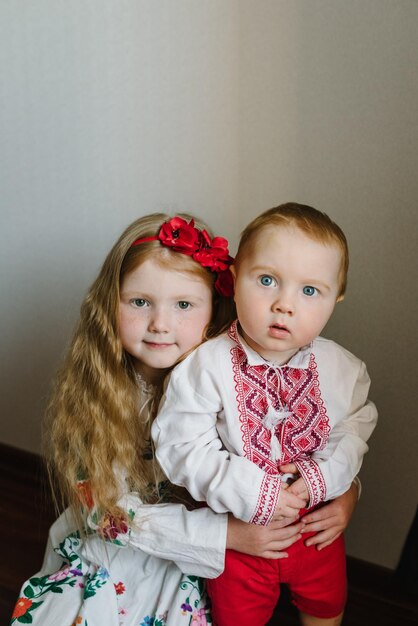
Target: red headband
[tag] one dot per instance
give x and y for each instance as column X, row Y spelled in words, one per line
column 211, row 253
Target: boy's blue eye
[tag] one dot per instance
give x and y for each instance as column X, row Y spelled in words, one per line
column 183, row 305
column 139, row 302
column 308, row 290
column 267, row 281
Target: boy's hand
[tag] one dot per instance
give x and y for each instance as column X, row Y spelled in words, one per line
column 289, row 504
column 289, row 468
column 299, row 489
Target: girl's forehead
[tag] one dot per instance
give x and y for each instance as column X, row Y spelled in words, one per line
column 157, row 276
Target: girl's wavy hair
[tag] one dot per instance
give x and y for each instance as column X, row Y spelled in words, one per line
column 96, row 420
column 315, row 224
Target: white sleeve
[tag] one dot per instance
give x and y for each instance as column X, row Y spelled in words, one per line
column 330, row 472
column 194, row 540
column 192, row 455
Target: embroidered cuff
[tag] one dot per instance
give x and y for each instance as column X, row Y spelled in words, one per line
column 312, row 475
column 267, row 500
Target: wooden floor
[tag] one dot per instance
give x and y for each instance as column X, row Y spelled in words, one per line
column 376, row 597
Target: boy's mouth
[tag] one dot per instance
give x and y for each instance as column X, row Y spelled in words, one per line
column 279, row 330
column 280, row 327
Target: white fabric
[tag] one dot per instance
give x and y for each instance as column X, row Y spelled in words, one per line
column 95, row 582
column 198, row 434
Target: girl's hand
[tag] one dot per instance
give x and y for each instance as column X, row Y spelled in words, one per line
column 330, row 520
column 268, row 541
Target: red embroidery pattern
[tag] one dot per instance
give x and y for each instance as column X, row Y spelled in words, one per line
column 310, row 472
column 300, row 434
column 267, row 500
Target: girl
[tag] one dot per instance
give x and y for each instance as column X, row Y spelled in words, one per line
column 117, row 554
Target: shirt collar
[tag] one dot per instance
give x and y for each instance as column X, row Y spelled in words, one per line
column 300, row 360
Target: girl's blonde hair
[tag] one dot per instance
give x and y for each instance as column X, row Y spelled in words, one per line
column 96, row 420
column 313, row 223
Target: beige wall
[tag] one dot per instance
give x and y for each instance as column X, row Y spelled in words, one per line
column 110, row 110
column 329, row 117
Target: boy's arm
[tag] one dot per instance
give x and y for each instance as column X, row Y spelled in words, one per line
column 329, row 473
column 192, row 455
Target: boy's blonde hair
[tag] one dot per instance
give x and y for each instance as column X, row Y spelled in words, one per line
column 315, row 224
column 96, row 419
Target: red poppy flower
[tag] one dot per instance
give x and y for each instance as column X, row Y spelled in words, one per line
column 204, row 240
column 22, row 606
column 180, row 235
column 224, row 283
column 213, row 253
column 184, row 237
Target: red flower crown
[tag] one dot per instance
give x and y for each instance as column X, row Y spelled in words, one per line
column 211, row 253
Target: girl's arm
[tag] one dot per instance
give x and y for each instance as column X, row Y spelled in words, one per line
column 194, row 540
column 330, row 520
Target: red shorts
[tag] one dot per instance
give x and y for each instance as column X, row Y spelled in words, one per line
column 249, row 588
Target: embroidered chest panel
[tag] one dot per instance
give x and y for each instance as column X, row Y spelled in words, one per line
column 305, row 428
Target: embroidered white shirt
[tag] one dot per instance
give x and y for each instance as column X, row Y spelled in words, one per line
column 217, row 435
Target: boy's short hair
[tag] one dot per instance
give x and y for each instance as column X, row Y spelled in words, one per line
column 315, row 224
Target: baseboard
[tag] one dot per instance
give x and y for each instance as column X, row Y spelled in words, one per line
column 18, row 463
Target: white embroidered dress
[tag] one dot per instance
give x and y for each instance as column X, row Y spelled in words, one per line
column 134, row 579
column 217, row 436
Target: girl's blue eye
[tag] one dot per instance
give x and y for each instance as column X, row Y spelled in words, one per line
column 309, row 291
column 139, row 302
column 267, row 281
column 183, row 305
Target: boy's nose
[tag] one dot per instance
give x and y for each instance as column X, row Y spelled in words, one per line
column 283, row 304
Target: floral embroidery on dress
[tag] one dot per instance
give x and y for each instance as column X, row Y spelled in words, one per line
column 70, row 575
column 119, row 588
column 79, row 621
column 84, row 493
column 73, row 573
column 199, row 616
column 155, row 621
column 113, row 529
column 85, row 588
